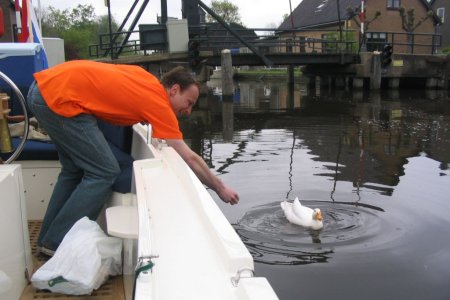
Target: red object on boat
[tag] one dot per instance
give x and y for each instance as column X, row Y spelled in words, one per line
column 2, row 25
column 25, row 34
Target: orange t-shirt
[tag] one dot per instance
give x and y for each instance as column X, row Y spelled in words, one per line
column 118, row 94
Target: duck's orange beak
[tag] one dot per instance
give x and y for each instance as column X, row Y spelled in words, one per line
column 319, row 216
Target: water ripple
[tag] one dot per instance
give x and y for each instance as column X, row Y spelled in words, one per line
column 271, row 239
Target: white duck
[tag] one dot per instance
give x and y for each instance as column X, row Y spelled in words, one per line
column 301, row 215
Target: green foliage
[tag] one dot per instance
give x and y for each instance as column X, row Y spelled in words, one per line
column 76, row 43
column 79, row 27
column 258, row 72
column 348, row 44
column 226, row 10
column 445, row 50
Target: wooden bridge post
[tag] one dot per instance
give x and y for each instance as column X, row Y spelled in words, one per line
column 375, row 74
column 227, row 95
column 227, row 74
column 311, row 84
column 291, row 79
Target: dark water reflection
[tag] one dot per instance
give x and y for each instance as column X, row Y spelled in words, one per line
column 376, row 164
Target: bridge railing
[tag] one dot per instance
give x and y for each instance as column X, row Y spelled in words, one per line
column 272, row 41
column 113, row 45
column 403, row 42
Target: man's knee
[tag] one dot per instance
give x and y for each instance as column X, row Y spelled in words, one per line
column 113, row 172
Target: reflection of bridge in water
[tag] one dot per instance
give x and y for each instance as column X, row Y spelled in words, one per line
column 365, row 133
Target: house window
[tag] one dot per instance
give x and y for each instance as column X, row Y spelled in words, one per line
column 289, row 45
column 441, row 13
column 376, row 41
column 393, row 4
column 302, row 44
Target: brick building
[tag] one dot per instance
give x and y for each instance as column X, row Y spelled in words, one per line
column 442, row 10
column 319, row 22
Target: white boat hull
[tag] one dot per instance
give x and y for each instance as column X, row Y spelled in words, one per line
column 169, row 218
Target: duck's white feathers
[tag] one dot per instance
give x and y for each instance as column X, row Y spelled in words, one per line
column 301, row 215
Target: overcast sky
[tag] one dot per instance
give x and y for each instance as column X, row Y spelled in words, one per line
column 254, row 13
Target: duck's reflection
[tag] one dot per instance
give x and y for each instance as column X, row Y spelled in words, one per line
column 284, row 253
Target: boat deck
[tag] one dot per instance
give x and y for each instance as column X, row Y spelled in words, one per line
column 113, row 289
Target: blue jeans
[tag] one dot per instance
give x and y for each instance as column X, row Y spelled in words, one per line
column 88, row 171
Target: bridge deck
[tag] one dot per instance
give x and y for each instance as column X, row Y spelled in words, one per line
column 242, row 59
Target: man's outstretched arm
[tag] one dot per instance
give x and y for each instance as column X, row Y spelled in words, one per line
column 201, row 169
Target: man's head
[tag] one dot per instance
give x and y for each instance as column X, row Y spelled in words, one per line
column 183, row 90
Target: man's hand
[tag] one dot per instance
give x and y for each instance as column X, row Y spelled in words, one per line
column 228, row 195
column 198, row 165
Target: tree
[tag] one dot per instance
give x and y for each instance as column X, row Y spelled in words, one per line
column 409, row 24
column 358, row 17
column 226, row 10
column 355, row 15
column 79, row 27
column 408, row 19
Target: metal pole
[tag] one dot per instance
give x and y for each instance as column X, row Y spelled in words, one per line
column 119, row 30
column 362, row 21
column 40, row 16
column 133, row 24
column 363, row 35
column 292, row 19
column 292, row 25
column 339, row 20
column 266, row 61
column 163, row 11
column 110, row 29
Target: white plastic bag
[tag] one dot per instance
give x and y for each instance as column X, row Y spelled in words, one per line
column 83, row 261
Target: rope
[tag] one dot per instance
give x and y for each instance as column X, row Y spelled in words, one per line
column 142, row 267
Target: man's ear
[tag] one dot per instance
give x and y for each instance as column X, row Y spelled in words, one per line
column 174, row 89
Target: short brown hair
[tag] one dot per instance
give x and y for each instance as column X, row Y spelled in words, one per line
column 179, row 75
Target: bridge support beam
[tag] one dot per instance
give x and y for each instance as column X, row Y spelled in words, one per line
column 358, row 83
column 393, row 83
column 431, row 83
column 290, row 70
column 340, row 82
column 311, row 84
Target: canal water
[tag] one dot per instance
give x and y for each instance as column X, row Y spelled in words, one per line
column 376, row 164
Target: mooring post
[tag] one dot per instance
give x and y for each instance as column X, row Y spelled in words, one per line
column 227, row 74
column 375, row 74
column 227, row 95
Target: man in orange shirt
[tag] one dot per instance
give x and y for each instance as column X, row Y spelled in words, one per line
column 69, row 98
